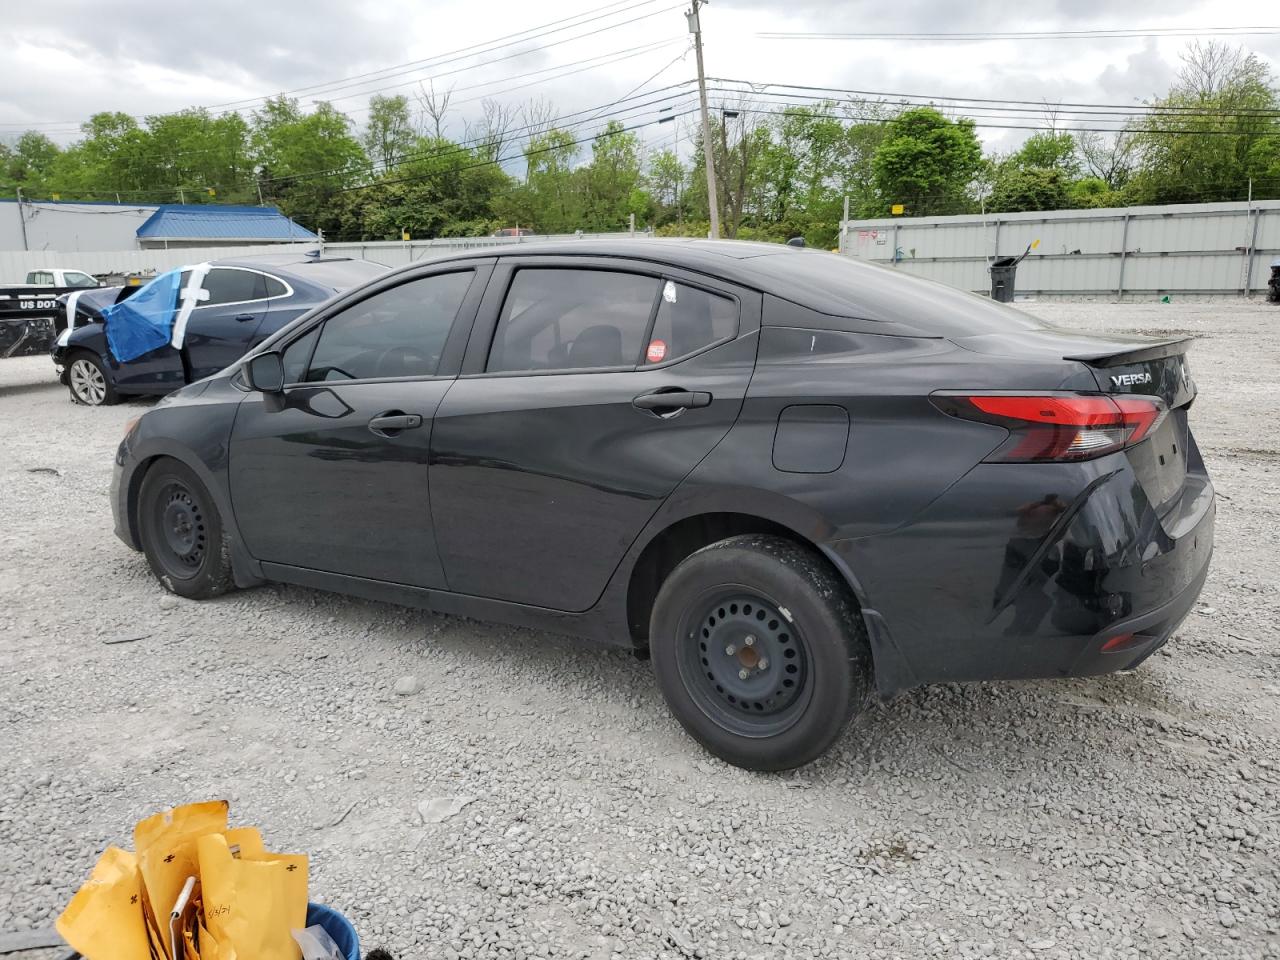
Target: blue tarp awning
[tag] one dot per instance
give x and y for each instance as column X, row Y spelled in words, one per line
column 199, row 221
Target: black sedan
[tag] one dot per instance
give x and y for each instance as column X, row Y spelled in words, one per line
column 793, row 480
column 248, row 299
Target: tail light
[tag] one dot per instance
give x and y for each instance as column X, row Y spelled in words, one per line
column 1056, row 427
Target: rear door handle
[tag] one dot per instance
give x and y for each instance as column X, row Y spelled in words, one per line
column 245, row 317
column 661, row 400
column 392, row 422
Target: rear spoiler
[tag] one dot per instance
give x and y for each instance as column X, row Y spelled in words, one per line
column 1155, row 351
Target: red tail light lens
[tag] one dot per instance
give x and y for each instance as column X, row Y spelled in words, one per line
column 1056, row 427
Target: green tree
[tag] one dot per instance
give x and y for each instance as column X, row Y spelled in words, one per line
column 1048, row 151
column 667, row 179
column 1017, row 189
column 927, row 163
column 1216, row 131
column 201, row 158
column 306, row 160
column 613, row 180
column 443, row 190
column 389, row 133
column 29, row 162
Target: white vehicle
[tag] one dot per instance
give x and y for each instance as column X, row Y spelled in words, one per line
column 63, row 278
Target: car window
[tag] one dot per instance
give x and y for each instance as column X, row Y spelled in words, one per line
column 399, row 332
column 77, row 279
column 40, row 276
column 274, row 287
column 233, row 286
column 556, row 319
column 297, row 355
column 689, row 319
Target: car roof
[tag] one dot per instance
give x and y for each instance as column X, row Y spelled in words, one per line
column 812, row 278
column 286, row 264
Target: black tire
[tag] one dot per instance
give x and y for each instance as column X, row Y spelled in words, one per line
column 760, row 651
column 181, row 532
column 89, row 380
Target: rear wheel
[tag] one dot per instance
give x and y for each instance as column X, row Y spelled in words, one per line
column 760, row 651
column 89, row 381
column 182, row 534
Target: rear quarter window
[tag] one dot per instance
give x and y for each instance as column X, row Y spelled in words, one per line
column 841, row 286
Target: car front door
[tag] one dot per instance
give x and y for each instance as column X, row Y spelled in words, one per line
column 332, row 475
column 588, row 393
column 221, row 328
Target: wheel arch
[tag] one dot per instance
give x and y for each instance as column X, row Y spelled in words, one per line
column 680, row 536
column 245, row 568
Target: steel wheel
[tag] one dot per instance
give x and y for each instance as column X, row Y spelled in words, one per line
column 745, row 663
column 181, row 524
column 181, row 532
column 88, row 385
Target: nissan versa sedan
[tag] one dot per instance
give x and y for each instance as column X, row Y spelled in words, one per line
column 792, row 480
column 248, row 299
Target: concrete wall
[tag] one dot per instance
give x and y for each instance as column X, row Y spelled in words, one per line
column 1202, row 249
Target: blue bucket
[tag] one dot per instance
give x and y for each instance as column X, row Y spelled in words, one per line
column 337, row 926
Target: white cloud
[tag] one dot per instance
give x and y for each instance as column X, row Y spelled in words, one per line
column 66, row 60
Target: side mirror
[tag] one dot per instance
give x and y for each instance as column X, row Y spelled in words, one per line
column 265, row 372
column 796, row 242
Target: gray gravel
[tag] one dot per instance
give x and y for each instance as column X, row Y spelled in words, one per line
column 1126, row 816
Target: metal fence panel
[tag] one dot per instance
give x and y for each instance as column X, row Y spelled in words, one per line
column 1212, row 248
column 15, row 264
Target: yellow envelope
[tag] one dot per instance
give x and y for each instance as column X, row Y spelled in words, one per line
column 250, row 906
column 296, row 872
column 104, row 920
column 165, row 845
column 245, row 841
column 212, row 949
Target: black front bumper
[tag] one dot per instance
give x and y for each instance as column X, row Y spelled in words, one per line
column 26, row 336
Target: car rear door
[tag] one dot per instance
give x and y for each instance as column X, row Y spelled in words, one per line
column 332, row 475
column 590, row 389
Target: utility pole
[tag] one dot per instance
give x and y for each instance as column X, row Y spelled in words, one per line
column 713, row 196
column 22, row 219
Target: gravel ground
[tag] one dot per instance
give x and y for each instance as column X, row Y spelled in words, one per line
column 1125, row 816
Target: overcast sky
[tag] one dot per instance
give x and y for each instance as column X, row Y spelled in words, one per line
column 62, row 61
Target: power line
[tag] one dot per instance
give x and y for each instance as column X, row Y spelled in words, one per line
column 499, row 160
column 1096, row 34
column 453, row 72
column 981, row 122
column 457, row 148
column 517, row 37
column 1042, row 105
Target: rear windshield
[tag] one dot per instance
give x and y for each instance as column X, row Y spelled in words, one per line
column 844, row 287
column 339, row 274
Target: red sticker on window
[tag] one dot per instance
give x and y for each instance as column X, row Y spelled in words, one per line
column 656, row 352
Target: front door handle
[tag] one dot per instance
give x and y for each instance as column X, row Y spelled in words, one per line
column 670, row 401
column 390, row 424
column 245, row 317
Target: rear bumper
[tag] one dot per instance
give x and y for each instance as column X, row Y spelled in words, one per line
column 1029, row 571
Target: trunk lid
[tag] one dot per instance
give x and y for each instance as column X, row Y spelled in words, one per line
column 1145, row 366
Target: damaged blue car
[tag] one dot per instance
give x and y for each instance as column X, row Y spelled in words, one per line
column 235, row 305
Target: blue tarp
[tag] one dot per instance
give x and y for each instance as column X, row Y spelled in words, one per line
column 144, row 321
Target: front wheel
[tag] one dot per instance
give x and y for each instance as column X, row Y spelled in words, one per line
column 760, row 651
column 182, row 534
column 89, row 382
